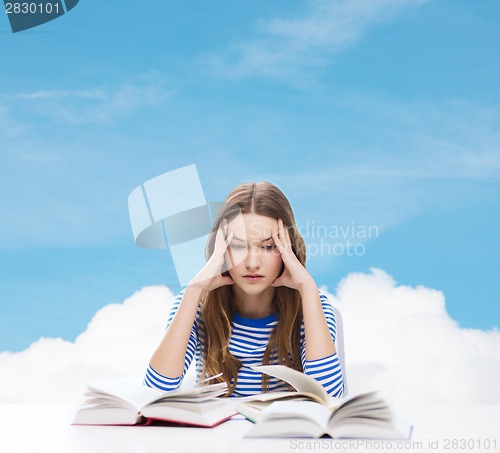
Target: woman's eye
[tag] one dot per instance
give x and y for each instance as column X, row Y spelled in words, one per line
column 269, row 247
column 237, row 247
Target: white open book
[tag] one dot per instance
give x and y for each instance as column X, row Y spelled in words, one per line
column 311, row 412
column 129, row 402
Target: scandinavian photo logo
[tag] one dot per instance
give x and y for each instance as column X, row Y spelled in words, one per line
column 337, row 239
column 24, row 15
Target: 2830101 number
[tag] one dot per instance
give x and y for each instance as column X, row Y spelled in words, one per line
column 32, row 8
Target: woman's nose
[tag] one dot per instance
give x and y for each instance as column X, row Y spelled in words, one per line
column 252, row 260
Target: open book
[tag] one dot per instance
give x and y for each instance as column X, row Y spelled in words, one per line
column 129, row 402
column 311, row 412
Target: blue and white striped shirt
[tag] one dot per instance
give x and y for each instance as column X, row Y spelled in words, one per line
column 249, row 339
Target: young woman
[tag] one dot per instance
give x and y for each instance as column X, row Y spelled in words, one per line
column 253, row 303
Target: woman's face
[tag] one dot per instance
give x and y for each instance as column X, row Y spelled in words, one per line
column 253, row 259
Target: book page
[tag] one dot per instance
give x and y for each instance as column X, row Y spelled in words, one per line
column 269, row 397
column 301, row 382
column 297, row 410
column 137, row 395
column 129, row 390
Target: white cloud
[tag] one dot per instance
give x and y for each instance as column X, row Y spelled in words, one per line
column 397, row 338
column 117, row 342
column 98, row 104
column 402, row 339
column 287, row 46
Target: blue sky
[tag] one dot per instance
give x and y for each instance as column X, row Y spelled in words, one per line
column 380, row 113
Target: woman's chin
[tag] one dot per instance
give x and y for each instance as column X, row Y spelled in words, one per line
column 253, row 288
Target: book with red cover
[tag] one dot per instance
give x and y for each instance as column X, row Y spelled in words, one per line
column 129, row 402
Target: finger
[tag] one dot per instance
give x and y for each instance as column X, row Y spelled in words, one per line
column 281, row 227
column 285, row 230
column 219, row 235
column 219, row 245
column 224, row 226
column 229, row 238
column 228, row 252
column 284, row 236
column 277, row 240
column 221, row 238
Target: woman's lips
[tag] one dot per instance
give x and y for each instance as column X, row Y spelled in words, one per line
column 253, row 278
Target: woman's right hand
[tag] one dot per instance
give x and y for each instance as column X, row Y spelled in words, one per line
column 210, row 276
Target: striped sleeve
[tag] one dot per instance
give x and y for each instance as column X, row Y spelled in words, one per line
column 326, row 370
column 156, row 380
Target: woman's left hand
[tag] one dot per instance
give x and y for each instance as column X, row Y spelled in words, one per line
column 295, row 274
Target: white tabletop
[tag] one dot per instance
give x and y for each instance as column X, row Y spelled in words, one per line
column 47, row 428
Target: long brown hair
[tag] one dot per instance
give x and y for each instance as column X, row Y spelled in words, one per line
column 262, row 198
